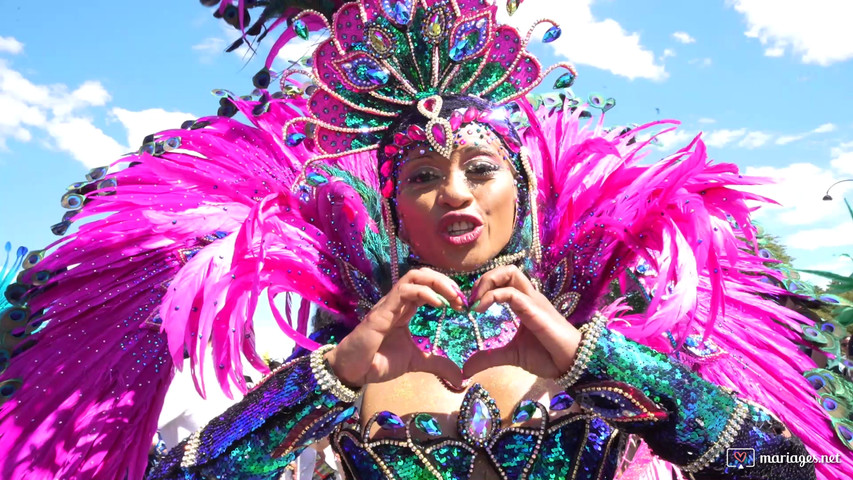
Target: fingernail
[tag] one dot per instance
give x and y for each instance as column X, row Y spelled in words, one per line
column 462, row 298
column 443, row 300
column 460, row 294
column 474, row 305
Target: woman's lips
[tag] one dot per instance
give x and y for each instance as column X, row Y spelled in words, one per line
column 465, row 238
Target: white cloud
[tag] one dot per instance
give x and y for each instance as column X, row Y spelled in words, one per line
column 840, row 265
column 143, row 123
column 672, row 140
column 786, row 139
column 683, row 37
column 721, row 138
column 64, row 118
column 774, row 51
column 706, row 120
column 818, row 32
column 799, row 188
column 621, row 54
column 837, row 236
column 825, row 128
column 701, row 62
column 11, row 45
column 209, row 49
column 85, row 142
column 842, row 164
column 754, row 139
column 841, row 149
column 668, row 52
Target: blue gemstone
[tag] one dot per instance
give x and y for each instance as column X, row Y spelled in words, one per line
column 304, row 194
column 552, row 34
column 459, row 49
column 344, row 416
column 427, row 424
column 377, row 76
column 401, row 11
column 524, row 411
column 294, row 139
column 389, row 421
column 315, row 179
column 561, row 401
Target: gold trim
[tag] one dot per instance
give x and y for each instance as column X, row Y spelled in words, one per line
column 724, row 441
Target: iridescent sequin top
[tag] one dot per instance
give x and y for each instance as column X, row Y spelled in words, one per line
column 625, row 388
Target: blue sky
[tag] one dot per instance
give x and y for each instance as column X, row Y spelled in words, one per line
column 766, row 81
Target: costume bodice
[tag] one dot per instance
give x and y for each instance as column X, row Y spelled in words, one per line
column 577, row 445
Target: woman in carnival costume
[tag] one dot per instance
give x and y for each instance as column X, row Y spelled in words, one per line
column 459, row 268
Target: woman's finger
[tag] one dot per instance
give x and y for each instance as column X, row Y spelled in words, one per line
column 503, row 276
column 486, row 359
column 440, row 366
column 440, row 283
column 559, row 338
column 522, row 305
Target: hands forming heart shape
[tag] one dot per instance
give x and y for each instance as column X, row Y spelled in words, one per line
column 414, row 327
column 508, row 322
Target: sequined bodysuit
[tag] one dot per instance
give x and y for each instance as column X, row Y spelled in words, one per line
column 626, row 388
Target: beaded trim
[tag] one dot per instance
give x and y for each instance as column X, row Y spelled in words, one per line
column 725, row 440
column 326, row 378
column 591, row 331
column 191, row 450
column 509, row 259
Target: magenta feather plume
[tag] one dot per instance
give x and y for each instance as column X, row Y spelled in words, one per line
column 687, row 220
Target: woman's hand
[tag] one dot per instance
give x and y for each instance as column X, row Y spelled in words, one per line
column 380, row 348
column 545, row 344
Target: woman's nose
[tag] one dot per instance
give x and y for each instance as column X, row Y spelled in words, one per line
column 455, row 190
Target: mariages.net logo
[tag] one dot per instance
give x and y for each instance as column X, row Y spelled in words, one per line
column 741, row 458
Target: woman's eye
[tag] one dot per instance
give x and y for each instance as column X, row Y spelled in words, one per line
column 422, row 176
column 483, row 168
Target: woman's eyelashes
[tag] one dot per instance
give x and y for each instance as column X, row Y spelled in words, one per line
column 423, row 176
column 482, row 168
column 475, row 170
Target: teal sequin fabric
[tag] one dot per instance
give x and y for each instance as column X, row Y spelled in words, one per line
column 626, row 388
column 535, row 447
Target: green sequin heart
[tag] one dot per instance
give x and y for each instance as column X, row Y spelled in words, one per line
column 459, row 335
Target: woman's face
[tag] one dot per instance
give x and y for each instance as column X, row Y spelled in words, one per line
column 458, row 213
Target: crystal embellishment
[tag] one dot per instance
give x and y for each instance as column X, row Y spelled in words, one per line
column 524, row 411
column 552, row 34
column 301, row 29
column 479, row 418
column 565, row 81
column 389, row 421
column 427, row 424
column 561, row 401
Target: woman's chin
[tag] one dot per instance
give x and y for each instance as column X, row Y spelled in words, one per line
column 462, row 261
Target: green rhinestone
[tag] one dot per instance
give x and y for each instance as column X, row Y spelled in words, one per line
column 427, row 424
column 301, row 29
column 524, row 411
column 565, row 81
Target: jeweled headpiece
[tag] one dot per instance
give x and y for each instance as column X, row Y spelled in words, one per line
column 386, row 56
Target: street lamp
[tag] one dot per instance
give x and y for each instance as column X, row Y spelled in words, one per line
column 827, row 197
